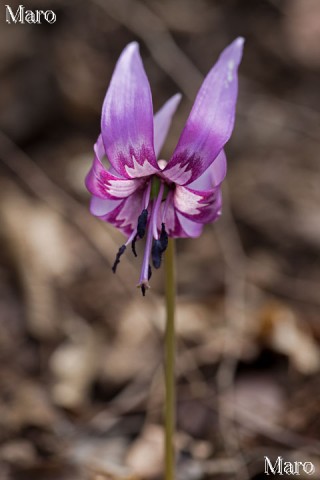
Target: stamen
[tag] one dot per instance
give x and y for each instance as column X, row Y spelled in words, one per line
column 156, row 253
column 142, row 219
column 149, row 272
column 152, row 232
column 155, row 212
column 146, row 197
column 117, row 260
column 132, row 238
column 163, row 237
column 166, row 205
column 142, row 223
column 159, row 247
column 133, row 245
column 156, row 247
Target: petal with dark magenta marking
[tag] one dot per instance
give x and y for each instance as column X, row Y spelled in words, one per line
column 127, row 118
column 211, row 120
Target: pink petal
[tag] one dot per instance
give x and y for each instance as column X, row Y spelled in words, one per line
column 122, row 214
column 100, row 207
column 213, row 176
column 190, row 228
column 211, row 120
column 104, row 184
column 127, row 118
column 198, row 206
column 162, row 121
column 178, row 226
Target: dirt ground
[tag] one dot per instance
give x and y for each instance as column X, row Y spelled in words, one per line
column 81, row 352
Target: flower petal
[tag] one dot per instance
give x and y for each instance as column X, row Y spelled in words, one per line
column 100, row 207
column 104, row 184
column 122, row 214
column 198, row 206
column 190, row 228
column 211, row 120
column 162, row 121
column 178, row 226
column 127, row 118
column 213, row 176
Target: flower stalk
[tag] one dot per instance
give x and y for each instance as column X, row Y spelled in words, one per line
column 146, row 196
column 170, row 361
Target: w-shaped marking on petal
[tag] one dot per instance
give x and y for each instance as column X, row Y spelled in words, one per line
column 138, row 169
column 179, row 173
column 122, row 188
column 190, row 202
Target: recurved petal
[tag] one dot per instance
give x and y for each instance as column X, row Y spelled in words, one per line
column 189, row 227
column 199, row 206
column 99, row 207
column 211, row 120
column 127, row 118
column 213, row 176
column 162, row 121
column 122, row 214
column 177, row 225
column 104, row 184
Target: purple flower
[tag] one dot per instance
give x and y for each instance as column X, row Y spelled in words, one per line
column 142, row 195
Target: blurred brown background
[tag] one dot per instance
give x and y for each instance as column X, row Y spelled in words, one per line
column 80, row 350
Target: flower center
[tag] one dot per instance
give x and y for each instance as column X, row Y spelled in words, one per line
column 150, row 223
column 155, row 188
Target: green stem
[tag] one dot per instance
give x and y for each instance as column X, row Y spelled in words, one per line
column 169, row 361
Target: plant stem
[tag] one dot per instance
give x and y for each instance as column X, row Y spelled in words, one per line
column 170, row 361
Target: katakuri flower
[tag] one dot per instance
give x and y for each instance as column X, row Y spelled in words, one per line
column 142, row 195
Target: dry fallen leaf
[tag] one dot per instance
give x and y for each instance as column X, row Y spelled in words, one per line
column 146, row 455
column 74, row 365
column 287, row 335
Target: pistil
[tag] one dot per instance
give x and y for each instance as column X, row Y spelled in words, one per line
column 145, row 271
